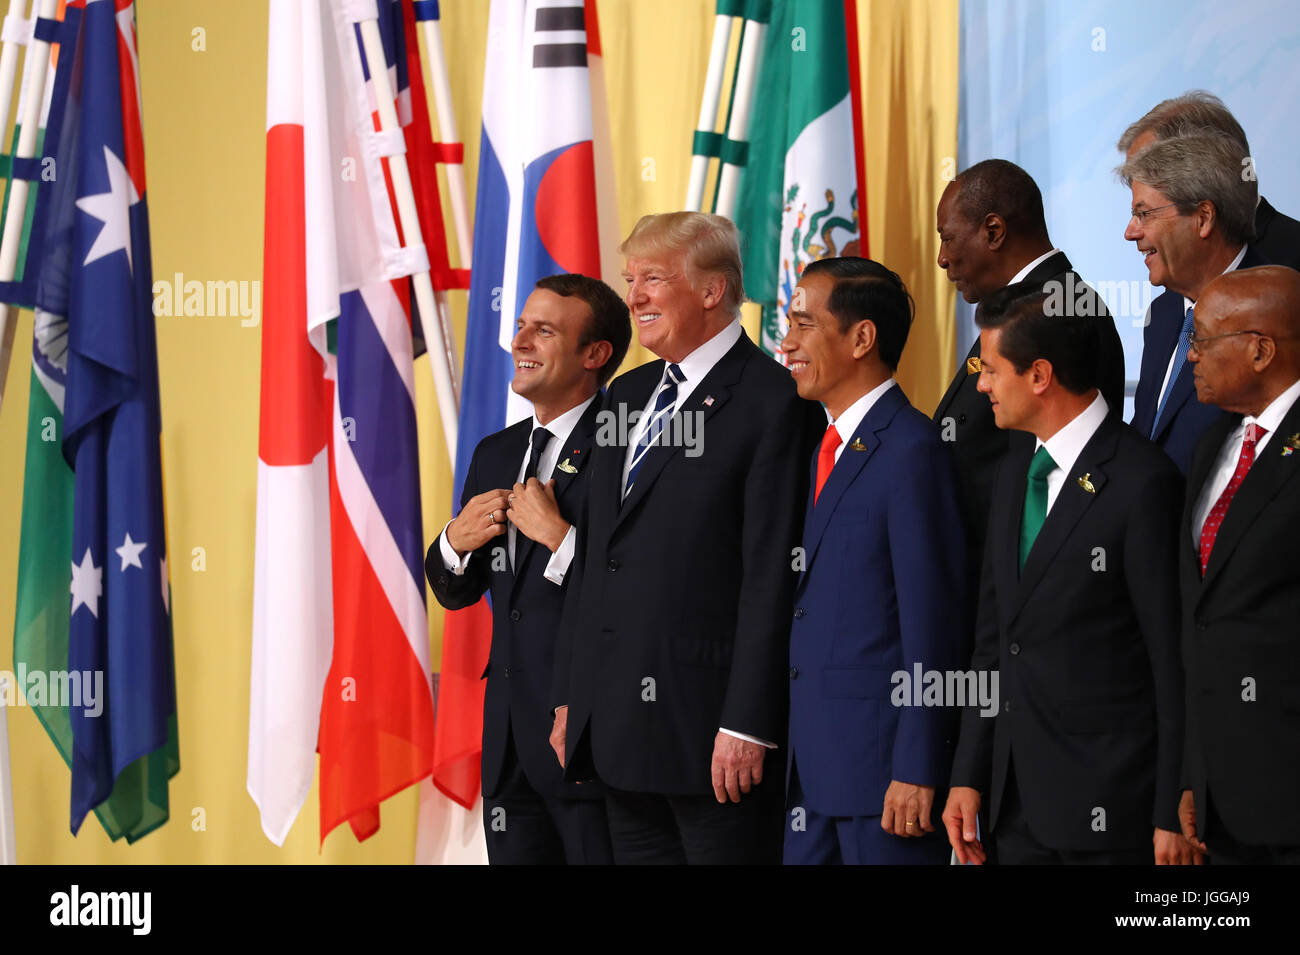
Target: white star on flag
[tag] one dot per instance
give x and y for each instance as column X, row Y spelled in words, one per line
column 113, row 209
column 87, row 585
column 130, row 552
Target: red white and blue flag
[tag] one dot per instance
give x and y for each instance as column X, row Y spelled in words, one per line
column 90, row 272
column 340, row 630
column 544, row 193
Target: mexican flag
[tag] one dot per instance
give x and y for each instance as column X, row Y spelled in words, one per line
column 799, row 195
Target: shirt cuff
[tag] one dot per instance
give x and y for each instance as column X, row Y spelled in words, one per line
column 747, row 739
column 450, row 559
column 558, row 565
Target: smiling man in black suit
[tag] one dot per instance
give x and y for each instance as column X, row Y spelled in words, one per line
column 677, row 634
column 515, row 536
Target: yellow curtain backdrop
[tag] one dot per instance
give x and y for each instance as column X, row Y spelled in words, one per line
column 203, row 70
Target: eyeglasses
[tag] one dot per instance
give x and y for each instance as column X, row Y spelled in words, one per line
column 1141, row 215
column 1195, row 343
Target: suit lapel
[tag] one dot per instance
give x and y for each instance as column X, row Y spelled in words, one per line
column 1071, row 503
column 1271, row 470
column 858, row 450
column 959, row 379
column 706, row 399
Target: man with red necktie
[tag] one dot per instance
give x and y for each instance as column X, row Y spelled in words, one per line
column 881, row 597
column 1241, row 573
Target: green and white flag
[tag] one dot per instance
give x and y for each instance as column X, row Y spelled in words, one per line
column 799, row 192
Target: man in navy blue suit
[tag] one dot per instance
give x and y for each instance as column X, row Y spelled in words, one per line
column 883, row 587
column 515, row 535
column 1277, row 235
column 1193, row 219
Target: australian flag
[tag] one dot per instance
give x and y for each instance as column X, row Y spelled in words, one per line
column 94, row 268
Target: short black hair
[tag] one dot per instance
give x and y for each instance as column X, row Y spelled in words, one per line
column 865, row 289
column 609, row 322
column 1003, row 188
column 1070, row 343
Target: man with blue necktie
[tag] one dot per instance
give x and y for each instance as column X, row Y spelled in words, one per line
column 1193, row 217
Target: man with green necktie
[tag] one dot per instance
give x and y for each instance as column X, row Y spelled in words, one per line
column 1078, row 613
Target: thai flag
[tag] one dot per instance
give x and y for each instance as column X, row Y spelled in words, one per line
column 544, row 192
column 340, row 631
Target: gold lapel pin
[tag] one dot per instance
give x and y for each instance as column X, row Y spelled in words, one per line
column 566, row 467
column 1086, row 484
column 857, row 445
column 973, row 365
column 1292, row 445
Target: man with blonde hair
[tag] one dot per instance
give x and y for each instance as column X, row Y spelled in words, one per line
column 671, row 667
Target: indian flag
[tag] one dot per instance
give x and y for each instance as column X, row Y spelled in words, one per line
column 800, row 192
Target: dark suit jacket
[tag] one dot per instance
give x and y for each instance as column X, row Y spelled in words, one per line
column 1239, row 624
column 1277, row 236
column 884, row 591
column 679, row 622
column 1086, row 644
column 1185, row 418
column 525, row 608
column 965, row 417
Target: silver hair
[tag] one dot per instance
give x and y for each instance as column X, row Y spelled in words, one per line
column 1202, row 167
column 1196, row 111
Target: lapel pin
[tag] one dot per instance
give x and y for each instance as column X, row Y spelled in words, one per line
column 857, row 445
column 1086, row 484
column 1292, row 445
column 973, row 365
column 566, row 467
column 708, row 401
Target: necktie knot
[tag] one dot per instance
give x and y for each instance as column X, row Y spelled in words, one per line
column 541, row 437
column 675, row 374
column 831, row 440
column 1254, row 431
column 1041, row 465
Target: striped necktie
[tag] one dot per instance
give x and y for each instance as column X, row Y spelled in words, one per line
column 659, row 418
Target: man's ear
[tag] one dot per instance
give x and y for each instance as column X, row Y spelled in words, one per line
column 1041, row 374
column 713, row 287
column 864, row 338
column 1205, row 216
column 1265, row 349
column 995, row 230
column 597, row 354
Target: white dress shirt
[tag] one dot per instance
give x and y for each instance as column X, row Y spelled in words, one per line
column 561, row 427
column 693, row 367
column 1067, row 444
column 1225, row 465
column 848, row 422
column 1182, row 345
column 1020, row 276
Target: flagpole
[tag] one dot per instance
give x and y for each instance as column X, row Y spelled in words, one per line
column 8, row 849
column 751, row 53
column 441, row 360
column 447, row 130
column 29, row 111
column 709, row 110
